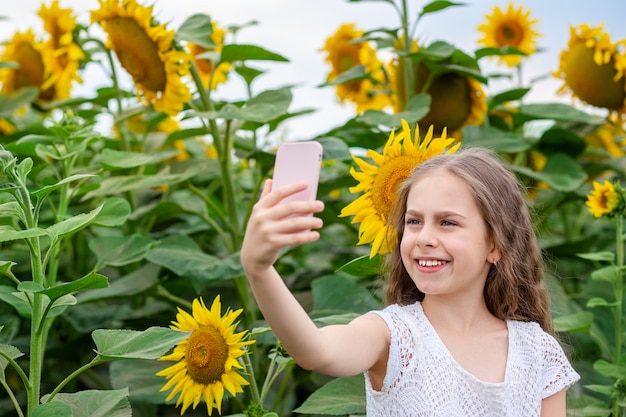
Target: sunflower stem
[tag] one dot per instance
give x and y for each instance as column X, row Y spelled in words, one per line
column 95, row 361
column 14, row 401
column 37, row 336
column 619, row 301
column 520, row 81
column 408, row 63
column 254, row 388
column 269, row 378
column 164, row 293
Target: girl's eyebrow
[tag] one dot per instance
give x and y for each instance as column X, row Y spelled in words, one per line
column 441, row 214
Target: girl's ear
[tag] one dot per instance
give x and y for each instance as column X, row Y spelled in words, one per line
column 494, row 254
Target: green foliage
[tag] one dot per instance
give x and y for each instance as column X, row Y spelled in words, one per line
column 103, row 236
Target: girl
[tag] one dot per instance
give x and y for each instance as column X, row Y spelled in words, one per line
column 467, row 328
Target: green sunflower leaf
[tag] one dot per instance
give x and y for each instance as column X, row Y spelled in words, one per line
column 10, row 103
column 335, row 294
column 494, row 51
column 439, row 50
column 362, row 266
column 437, row 6
column 111, row 159
column 238, row 52
column 197, row 29
column 506, row 96
column 141, row 379
column 120, row 250
column 87, row 282
column 151, row 343
column 492, row 138
column 73, row 224
column 7, row 233
column 558, row 111
column 7, row 352
column 599, row 302
column 355, row 73
column 110, row 403
column 54, row 408
column 604, row 256
column 44, row 191
column 115, row 211
column 181, row 255
column 136, row 282
column 576, row 322
column 341, row 396
column 607, row 274
column 561, row 173
column 418, row 107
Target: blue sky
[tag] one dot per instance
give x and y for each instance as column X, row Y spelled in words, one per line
column 298, row 28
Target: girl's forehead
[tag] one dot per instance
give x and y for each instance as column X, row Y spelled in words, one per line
column 439, row 178
column 443, row 189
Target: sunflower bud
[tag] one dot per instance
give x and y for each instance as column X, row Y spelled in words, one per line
column 7, row 160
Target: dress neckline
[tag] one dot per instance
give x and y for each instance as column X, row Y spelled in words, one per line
column 457, row 364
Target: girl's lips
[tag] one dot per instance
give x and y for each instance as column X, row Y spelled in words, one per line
column 430, row 265
column 431, row 262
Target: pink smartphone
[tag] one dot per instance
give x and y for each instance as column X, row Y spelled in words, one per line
column 295, row 162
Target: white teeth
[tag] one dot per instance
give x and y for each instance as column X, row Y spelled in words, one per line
column 430, row 262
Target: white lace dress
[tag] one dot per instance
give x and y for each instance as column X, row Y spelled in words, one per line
column 424, row 380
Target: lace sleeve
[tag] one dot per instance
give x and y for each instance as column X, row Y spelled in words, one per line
column 557, row 373
column 394, row 361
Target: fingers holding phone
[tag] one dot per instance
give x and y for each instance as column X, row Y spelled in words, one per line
column 283, row 216
column 298, row 162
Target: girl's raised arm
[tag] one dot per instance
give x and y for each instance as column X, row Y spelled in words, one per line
column 334, row 350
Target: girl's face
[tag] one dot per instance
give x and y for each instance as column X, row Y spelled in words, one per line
column 445, row 247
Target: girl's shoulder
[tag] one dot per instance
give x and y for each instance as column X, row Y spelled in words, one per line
column 403, row 312
column 531, row 335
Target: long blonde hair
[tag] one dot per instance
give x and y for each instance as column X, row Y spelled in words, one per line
column 515, row 287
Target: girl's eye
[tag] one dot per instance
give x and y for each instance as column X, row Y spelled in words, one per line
column 447, row 223
column 412, row 221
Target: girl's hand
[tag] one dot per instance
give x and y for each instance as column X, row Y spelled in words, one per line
column 273, row 226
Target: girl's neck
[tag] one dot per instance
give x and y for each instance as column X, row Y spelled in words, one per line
column 458, row 315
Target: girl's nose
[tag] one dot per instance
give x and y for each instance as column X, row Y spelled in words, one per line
column 426, row 237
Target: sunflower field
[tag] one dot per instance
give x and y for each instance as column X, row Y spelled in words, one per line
column 121, row 288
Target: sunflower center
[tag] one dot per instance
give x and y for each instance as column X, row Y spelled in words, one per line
column 389, row 178
column 591, row 82
column 510, row 33
column 345, row 62
column 450, row 100
column 137, row 53
column 207, row 353
column 31, row 70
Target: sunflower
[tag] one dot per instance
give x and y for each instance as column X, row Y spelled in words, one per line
column 379, row 181
column 208, row 73
column 345, row 52
column 604, row 199
column 456, row 100
column 511, row 29
column 61, row 55
column 593, row 69
column 207, row 361
column 147, row 51
column 27, row 53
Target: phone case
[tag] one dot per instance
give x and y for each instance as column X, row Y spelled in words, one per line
column 295, row 162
